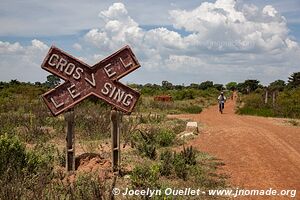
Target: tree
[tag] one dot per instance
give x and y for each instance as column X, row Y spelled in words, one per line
column 294, row 80
column 248, row 86
column 178, row 87
column 241, row 87
column 277, row 85
column 52, row 81
column 219, row 86
column 231, row 86
column 14, row 82
column 167, row 85
column 37, row 83
column 194, row 85
column 251, row 85
column 206, row 84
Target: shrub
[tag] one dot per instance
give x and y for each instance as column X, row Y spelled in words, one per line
column 151, row 118
column 12, row 154
column 287, row 104
column 93, row 120
column 166, row 167
column 193, row 109
column 184, row 94
column 87, row 186
column 265, row 112
column 61, row 157
column 181, row 163
column 180, row 167
column 189, row 155
column 23, row 174
column 15, row 157
column 146, row 143
column 40, row 159
column 145, row 176
column 165, row 137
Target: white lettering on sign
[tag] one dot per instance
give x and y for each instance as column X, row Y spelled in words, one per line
column 92, row 82
column 70, row 69
column 56, row 104
column 127, row 100
column 78, row 72
column 72, row 91
column 129, row 64
column 61, row 64
column 109, row 71
column 117, row 94
column 64, row 66
column 51, row 59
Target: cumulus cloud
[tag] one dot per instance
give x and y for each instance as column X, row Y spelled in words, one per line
column 22, row 62
column 77, row 46
column 222, row 41
column 225, row 37
column 8, row 48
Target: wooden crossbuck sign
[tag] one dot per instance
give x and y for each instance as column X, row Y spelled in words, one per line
column 82, row 80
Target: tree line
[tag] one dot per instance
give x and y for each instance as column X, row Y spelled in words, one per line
column 245, row 87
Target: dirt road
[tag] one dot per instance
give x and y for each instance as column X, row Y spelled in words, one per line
column 259, row 153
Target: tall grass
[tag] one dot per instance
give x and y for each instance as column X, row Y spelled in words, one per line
column 287, row 104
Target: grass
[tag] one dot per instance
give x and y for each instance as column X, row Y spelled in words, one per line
column 26, row 120
column 287, row 104
column 264, row 112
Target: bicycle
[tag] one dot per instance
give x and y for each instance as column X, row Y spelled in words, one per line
column 221, row 106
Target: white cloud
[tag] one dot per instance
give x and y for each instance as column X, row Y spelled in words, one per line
column 77, row 46
column 8, row 48
column 22, row 62
column 225, row 37
column 223, row 41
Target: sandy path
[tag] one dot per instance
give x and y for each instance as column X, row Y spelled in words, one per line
column 259, row 153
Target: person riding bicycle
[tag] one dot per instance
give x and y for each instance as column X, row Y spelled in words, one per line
column 222, row 100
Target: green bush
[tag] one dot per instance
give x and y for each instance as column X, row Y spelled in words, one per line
column 86, row 186
column 193, row 109
column 151, row 118
column 24, row 174
column 287, row 104
column 61, row 157
column 189, row 155
column 166, row 167
column 181, row 163
column 165, row 137
column 180, row 166
column 92, row 120
column 12, row 155
column 184, row 94
column 145, row 143
column 264, row 112
column 145, row 176
column 40, row 158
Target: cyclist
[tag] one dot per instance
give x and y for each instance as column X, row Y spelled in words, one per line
column 222, row 100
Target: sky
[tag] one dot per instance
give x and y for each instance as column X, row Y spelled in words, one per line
column 180, row 41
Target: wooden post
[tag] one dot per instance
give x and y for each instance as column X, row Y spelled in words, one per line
column 70, row 144
column 274, row 97
column 115, row 136
column 266, row 96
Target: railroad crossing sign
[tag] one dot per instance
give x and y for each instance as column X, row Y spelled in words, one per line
column 82, row 80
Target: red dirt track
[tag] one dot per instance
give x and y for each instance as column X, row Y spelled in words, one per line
column 258, row 152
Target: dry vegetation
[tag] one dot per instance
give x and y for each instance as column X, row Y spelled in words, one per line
column 32, row 153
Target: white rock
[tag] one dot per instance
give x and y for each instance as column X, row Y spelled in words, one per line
column 192, row 127
column 186, row 134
